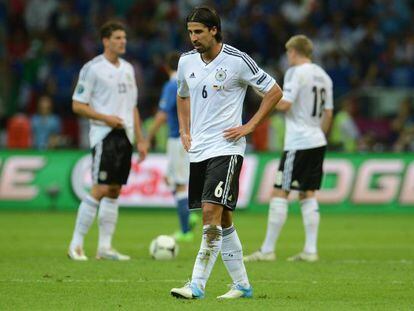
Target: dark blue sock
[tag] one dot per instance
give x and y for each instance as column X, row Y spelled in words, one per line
column 183, row 214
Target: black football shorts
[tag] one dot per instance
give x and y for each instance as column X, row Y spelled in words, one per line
column 111, row 159
column 301, row 169
column 215, row 180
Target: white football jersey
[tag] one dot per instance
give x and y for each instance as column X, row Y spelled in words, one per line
column 217, row 92
column 109, row 90
column 309, row 88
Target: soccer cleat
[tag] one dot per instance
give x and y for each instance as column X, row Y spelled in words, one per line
column 184, row 237
column 304, row 257
column 188, row 291
column 259, row 256
column 77, row 254
column 238, row 291
column 111, row 254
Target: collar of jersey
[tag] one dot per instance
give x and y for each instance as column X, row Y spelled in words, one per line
column 217, row 56
column 112, row 65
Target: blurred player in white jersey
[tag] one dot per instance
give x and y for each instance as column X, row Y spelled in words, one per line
column 178, row 163
column 308, row 104
column 212, row 83
column 106, row 94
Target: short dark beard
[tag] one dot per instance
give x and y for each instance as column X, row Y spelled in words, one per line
column 201, row 49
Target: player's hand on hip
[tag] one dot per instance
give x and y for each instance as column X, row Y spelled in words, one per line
column 235, row 133
column 186, row 141
column 142, row 148
column 114, row 121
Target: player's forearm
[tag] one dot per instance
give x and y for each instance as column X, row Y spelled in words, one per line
column 327, row 121
column 269, row 101
column 159, row 119
column 183, row 110
column 283, row 105
column 137, row 126
column 87, row 111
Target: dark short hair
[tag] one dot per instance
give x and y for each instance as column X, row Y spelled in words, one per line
column 171, row 60
column 109, row 27
column 208, row 17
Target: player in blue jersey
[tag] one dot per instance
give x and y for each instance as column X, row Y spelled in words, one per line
column 178, row 163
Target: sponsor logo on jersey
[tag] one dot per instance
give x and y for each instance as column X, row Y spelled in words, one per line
column 192, row 76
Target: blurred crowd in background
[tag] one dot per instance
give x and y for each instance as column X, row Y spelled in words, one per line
column 360, row 43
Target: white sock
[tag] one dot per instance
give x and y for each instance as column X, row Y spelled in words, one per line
column 107, row 217
column 310, row 214
column 232, row 255
column 207, row 255
column 84, row 219
column 278, row 208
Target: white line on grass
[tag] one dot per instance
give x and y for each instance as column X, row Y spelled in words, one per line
column 60, row 280
column 365, row 261
column 66, row 280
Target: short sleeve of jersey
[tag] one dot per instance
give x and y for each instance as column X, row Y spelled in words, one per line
column 291, row 85
column 84, row 87
column 168, row 96
column 254, row 76
column 135, row 85
column 329, row 96
column 182, row 87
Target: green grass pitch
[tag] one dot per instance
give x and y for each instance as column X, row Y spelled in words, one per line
column 367, row 263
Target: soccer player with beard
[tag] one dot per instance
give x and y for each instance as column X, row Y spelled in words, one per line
column 212, row 83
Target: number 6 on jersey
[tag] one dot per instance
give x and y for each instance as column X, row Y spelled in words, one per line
column 204, row 92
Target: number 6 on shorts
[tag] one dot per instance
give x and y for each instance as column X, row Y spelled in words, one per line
column 219, row 190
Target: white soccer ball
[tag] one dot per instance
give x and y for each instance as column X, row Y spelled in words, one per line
column 163, row 247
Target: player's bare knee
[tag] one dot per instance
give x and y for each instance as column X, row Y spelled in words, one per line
column 212, row 214
column 113, row 191
column 98, row 192
column 210, row 217
column 303, row 195
column 180, row 188
column 280, row 193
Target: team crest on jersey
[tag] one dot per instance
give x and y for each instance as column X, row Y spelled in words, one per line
column 221, row 74
column 129, row 78
column 80, row 89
